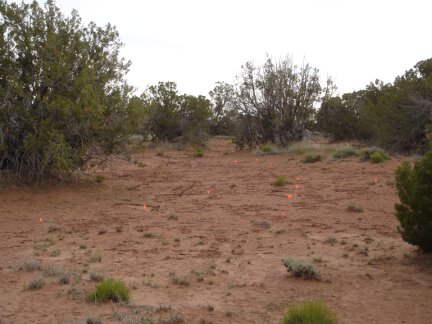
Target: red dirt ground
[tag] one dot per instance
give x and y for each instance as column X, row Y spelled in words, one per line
column 205, row 222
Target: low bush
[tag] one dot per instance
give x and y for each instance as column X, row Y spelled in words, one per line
column 414, row 212
column 110, row 289
column 35, row 283
column 32, row 265
column 345, row 152
column 304, row 147
column 377, row 157
column 374, row 154
column 311, row 312
column 300, row 269
column 266, row 148
column 280, row 181
column 312, row 157
column 199, row 152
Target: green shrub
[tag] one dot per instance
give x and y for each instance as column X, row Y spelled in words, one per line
column 64, row 93
column 300, row 269
column 110, row 289
column 345, row 152
column 266, row 148
column 199, row 152
column 311, row 312
column 414, row 186
column 374, row 154
column 280, row 181
column 312, row 157
column 377, row 157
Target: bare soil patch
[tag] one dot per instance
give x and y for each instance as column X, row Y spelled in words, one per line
column 202, row 240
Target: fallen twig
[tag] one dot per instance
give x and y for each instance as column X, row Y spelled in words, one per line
column 188, row 188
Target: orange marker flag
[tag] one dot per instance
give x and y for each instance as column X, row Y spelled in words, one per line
column 290, row 196
column 145, row 206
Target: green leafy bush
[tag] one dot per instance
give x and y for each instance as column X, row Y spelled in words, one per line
column 377, row 157
column 170, row 116
column 414, row 185
column 110, row 289
column 300, row 269
column 311, row 312
column 63, row 91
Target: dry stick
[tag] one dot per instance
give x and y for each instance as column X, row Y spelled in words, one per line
column 188, row 188
column 157, row 207
column 134, row 187
column 177, row 194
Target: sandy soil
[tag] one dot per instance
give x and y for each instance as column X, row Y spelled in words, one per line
column 206, row 225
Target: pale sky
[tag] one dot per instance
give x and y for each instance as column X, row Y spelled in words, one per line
column 198, row 42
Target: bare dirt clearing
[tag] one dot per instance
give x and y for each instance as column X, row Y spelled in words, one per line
column 202, row 239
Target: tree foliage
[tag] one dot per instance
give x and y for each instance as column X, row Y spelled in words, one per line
column 396, row 116
column 169, row 115
column 414, row 212
column 62, row 89
column 275, row 102
column 223, row 113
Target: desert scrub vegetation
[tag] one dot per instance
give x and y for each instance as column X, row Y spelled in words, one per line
column 414, row 212
column 93, row 320
column 267, row 150
column 36, row 283
column 373, row 154
column 262, row 224
column 354, row 208
column 96, row 257
column 300, row 269
column 180, row 281
column 280, row 181
column 301, row 148
column 310, row 312
column 30, row 266
column 48, row 129
column 345, row 152
column 98, row 277
column 312, row 158
column 110, row 290
column 199, row 152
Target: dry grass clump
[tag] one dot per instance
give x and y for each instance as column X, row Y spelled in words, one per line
column 30, row 266
column 304, row 147
column 35, row 283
